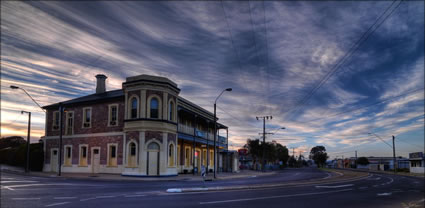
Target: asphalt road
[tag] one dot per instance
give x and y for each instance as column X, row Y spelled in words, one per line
column 377, row 190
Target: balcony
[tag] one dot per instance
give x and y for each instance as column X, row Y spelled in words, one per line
column 202, row 134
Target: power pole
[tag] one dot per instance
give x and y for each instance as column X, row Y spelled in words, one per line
column 395, row 168
column 264, row 139
column 355, row 162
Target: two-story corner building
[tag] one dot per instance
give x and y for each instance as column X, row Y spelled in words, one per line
column 143, row 129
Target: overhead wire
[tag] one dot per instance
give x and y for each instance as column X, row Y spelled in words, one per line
column 349, row 53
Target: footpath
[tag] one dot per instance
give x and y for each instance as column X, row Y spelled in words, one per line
column 118, row 177
column 420, row 175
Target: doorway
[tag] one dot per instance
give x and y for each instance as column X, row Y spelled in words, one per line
column 153, row 159
column 54, row 160
column 95, row 161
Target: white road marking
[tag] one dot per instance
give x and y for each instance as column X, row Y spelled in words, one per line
column 384, row 194
column 340, row 186
column 87, row 199
column 7, row 178
column 65, row 197
column 272, row 197
column 134, row 195
column 102, row 197
column 55, row 204
column 329, row 175
column 374, row 179
column 6, row 187
column 18, row 181
column 25, row 198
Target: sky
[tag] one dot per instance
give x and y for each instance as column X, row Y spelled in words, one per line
column 330, row 72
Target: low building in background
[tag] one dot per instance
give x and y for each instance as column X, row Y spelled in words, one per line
column 417, row 162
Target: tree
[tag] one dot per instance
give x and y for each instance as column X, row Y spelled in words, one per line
column 282, row 153
column 362, row 161
column 319, row 155
column 292, row 161
column 12, row 141
column 254, row 149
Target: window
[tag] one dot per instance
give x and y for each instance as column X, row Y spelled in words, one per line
column 171, row 155
column 86, row 117
column 83, row 155
column 153, row 146
column 112, row 155
column 154, row 108
column 132, row 149
column 68, row 156
column 113, row 115
column 55, row 120
column 171, row 111
column 134, row 105
column 69, row 122
column 204, row 157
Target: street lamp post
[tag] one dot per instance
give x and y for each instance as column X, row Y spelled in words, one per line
column 215, row 129
column 27, row 162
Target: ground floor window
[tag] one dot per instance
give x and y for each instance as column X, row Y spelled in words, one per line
column 211, row 158
column 132, row 155
column 171, row 155
column 187, row 157
column 204, row 157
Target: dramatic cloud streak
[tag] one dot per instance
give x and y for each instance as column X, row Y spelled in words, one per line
column 273, row 54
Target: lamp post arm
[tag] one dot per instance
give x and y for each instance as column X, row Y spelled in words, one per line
column 219, row 96
column 32, row 99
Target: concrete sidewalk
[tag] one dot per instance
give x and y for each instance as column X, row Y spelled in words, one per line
column 118, row 177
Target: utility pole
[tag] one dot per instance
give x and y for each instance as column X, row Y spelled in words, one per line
column 355, row 162
column 61, row 111
column 263, row 165
column 27, row 162
column 395, row 168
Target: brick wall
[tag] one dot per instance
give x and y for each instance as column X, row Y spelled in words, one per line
column 99, row 123
column 101, row 142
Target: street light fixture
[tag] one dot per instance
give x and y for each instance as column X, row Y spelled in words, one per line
column 16, row 87
column 215, row 129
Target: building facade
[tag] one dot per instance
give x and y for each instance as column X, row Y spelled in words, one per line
column 417, row 162
column 143, row 129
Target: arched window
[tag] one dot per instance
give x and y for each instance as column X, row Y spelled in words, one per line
column 171, row 155
column 153, row 146
column 134, row 105
column 171, row 111
column 154, row 108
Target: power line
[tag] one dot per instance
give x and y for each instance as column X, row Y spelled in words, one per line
column 233, row 117
column 349, row 53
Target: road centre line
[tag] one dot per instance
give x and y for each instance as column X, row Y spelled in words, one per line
column 56, row 204
column 340, row 186
column 65, row 197
column 25, row 198
column 129, row 196
column 19, row 181
column 273, row 197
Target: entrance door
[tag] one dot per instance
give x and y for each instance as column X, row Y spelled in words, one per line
column 153, row 163
column 95, row 161
column 54, row 160
column 198, row 160
column 153, row 159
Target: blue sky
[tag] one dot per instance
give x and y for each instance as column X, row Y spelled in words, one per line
column 273, row 55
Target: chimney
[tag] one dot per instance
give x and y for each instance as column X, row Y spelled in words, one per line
column 100, row 86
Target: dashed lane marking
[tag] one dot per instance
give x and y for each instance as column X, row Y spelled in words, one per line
column 87, row 199
column 103, row 197
column 56, row 204
column 273, row 197
column 340, row 186
column 25, row 198
column 139, row 195
column 65, row 197
column 384, row 194
column 18, row 181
